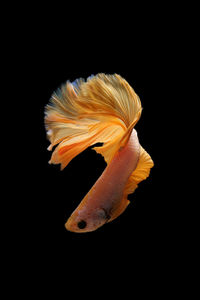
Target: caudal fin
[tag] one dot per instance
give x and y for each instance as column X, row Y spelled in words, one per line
column 103, row 109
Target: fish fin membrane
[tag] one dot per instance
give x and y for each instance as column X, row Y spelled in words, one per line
column 123, row 205
column 141, row 172
column 102, row 109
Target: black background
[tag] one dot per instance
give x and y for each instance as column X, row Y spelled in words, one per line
column 144, row 229
column 140, row 245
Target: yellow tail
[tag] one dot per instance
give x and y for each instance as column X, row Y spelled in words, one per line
column 103, row 109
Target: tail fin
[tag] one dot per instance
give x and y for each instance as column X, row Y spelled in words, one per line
column 103, row 109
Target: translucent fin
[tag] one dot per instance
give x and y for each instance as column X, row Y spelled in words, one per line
column 123, row 205
column 141, row 172
column 103, row 109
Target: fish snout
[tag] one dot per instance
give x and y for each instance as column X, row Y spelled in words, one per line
column 83, row 222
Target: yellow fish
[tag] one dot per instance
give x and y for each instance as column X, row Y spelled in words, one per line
column 103, row 109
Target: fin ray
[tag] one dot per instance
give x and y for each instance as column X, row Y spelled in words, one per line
column 85, row 113
column 141, row 172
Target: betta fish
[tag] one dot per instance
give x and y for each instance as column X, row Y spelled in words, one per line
column 103, row 109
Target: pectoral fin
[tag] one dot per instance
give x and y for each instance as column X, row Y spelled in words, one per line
column 120, row 209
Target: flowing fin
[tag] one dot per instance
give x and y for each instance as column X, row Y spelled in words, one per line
column 141, row 172
column 103, row 109
column 123, row 205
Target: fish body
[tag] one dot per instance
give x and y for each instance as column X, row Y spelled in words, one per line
column 105, row 199
column 103, row 109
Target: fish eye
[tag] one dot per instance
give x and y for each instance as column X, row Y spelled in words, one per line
column 82, row 224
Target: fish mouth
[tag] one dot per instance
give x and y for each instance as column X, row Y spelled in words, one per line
column 69, row 226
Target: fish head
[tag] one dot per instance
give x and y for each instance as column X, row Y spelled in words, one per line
column 83, row 220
